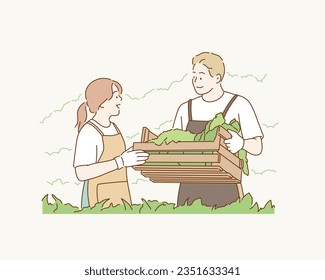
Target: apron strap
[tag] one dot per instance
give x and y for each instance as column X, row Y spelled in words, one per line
column 94, row 126
column 228, row 106
column 118, row 131
column 190, row 110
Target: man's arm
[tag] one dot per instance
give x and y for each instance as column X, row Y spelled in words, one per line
column 253, row 146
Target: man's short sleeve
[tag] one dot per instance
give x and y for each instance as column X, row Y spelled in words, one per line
column 249, row 124
column 181, row 118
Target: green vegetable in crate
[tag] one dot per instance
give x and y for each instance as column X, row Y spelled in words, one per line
column 208, row 134
column 174, row 135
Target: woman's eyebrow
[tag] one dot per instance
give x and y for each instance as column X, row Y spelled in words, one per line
column 202, row 73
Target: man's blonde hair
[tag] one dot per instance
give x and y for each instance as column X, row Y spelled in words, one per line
column 212, row 61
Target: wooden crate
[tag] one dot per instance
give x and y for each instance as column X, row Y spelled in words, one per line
column 223, row 166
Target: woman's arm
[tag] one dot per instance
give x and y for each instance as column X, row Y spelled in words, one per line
column 86, row 172
column 127, row 159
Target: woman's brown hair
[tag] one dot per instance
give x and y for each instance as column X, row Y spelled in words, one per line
column 97, row 92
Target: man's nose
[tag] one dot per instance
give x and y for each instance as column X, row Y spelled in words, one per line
column 195, row 79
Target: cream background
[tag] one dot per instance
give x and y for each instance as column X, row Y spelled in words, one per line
column 51, row 50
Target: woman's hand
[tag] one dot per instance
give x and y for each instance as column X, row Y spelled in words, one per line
column 131, row 158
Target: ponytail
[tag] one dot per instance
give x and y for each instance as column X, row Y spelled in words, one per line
column 81, row 116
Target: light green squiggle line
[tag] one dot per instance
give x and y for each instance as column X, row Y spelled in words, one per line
column 268, row 126
column 163, row 124
column 247, row 76
column 60, row 110
column 158, row 89
column 138, row 180
column 58, row 180
column 77, row 184
column 67, row 149
column 130, row 137
column 261, row 173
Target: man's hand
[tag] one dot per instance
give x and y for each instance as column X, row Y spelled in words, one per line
column 235, row 143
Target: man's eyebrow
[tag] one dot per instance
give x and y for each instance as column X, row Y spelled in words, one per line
column 194, row 72
column 202, row 73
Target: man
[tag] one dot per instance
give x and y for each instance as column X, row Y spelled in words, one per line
column 208, row 72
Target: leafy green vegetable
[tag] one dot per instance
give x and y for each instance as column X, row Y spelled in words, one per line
column 211, row 135
column 242, row 154
column 217, row 121
column 208, row 134
column 174, row 135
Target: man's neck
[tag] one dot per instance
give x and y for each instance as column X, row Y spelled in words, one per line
column 214, row 94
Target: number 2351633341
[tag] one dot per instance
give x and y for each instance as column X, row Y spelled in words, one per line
column 208, row 270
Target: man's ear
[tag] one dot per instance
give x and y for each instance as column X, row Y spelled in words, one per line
column 218, row 78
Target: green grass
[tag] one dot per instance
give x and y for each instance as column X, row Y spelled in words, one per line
column 244, row 206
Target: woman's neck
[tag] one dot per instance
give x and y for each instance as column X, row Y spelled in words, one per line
column 102, row 120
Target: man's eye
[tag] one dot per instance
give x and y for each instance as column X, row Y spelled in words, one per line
column 200, row 78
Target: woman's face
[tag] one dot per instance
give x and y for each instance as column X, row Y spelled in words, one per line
column 112, row 106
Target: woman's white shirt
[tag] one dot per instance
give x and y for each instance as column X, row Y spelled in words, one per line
column 89, row 146
column 241, row 110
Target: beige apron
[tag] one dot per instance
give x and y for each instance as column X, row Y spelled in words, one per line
column 112, row 185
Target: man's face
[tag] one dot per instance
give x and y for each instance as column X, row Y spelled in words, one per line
column 202, row 81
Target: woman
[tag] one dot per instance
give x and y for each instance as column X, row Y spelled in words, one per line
column 100, row 156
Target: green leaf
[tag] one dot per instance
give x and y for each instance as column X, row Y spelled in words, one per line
column 242, row 154
column 268, row 208
column 165, row 208
column 211, row 135
column 195, row 208
column 235, row 124
column 63, row 208
column 47, row 207
column 198, row 136
column 217, row 121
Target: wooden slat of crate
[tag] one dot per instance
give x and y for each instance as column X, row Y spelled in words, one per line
column 201, row 169
column 233, row 158
column 183, row 158
column 226, row 153
column 229, row 167
column 179, row 146
column 194, row 181
column 184, row 173
column 169, row 175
